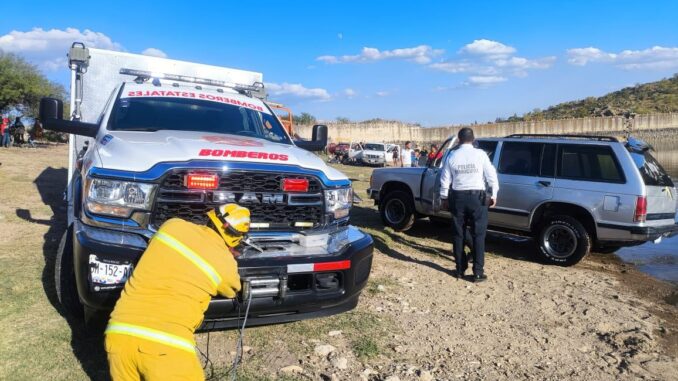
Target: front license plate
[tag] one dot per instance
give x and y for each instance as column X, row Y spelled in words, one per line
column 108, row 273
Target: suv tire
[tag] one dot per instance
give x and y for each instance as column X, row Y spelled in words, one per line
column 397, row 210
column 64, row 277
column 563, row 240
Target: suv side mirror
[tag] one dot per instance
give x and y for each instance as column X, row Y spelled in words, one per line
column 51, row 116
column 318, row 141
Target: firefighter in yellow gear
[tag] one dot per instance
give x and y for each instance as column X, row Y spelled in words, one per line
column 150, row 332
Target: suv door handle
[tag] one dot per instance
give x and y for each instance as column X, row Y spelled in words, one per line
column 544, row 183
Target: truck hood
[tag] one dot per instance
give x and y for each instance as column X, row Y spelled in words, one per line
column 139, row 151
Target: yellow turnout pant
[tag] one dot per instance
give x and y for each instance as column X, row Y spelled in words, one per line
column 131, row 358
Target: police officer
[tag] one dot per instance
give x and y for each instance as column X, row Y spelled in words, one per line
column 462, row 190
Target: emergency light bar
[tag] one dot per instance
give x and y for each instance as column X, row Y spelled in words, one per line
column 254, row 90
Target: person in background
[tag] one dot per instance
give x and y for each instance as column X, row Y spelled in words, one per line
column 4, row 126
column 37, row 130
column 396, row 158
column 423, row 157
column 406, row 155
column 462, row 190
column 415, row 157
column 432, row 155
column 19, row 131
column 7, row 136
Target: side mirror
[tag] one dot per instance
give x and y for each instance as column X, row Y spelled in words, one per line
column 51, row 108
column 51, row 116
column 318, row 141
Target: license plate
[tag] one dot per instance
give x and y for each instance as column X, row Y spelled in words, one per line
column 372, row 161
column 109, row 273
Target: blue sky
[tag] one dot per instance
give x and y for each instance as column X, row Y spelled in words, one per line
column 434, row 63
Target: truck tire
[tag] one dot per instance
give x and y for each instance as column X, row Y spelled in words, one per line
column 397, row 210
column 563, row 240
column 64, row 277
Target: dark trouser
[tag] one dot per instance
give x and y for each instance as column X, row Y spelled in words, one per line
column 468, row 206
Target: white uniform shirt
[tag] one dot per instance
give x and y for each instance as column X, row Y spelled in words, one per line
column 468, row 168
column 407, row 157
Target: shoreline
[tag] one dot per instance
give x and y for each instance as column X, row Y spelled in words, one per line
column 663, row 295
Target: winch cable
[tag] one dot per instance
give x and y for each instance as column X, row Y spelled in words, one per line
column 241, row 339
column 239, row 345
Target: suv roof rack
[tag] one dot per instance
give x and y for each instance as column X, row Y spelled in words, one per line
column 583, row 137
column 254, row 90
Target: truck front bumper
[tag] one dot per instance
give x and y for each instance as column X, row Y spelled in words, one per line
column 309, row 285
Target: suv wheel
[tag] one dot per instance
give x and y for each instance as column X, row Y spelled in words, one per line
column 397, row 210
column 563, row 240
column 64, row 277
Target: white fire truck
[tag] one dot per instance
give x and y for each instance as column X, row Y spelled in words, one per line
column 152, row 139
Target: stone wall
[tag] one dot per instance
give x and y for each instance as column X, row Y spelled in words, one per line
column 399, row 132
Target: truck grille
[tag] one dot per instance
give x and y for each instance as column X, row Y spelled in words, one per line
column 175, row 200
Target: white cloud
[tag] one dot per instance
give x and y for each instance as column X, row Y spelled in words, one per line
column 350, row 93
column 654, row 58
column 485, row 80
column 47, row 48
column 582, row 56
column 488, row 48
column 382, row 93
column 524, row 63
column 340, row 36
column 421, row 54
column 491, row 62
column 154, row 52
column 297, row 90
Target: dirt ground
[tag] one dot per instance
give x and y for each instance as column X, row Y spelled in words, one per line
column 599, row 320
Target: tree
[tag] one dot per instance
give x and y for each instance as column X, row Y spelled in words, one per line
column 305, row 119
column 22, row 85
column 342, row 119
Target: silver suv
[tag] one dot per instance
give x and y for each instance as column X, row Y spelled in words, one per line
column 571, row 193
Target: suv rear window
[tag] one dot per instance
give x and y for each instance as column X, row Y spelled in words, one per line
column 589, row 163
column 651, row 171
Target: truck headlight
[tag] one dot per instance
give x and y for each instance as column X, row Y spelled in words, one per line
column 117, row 198
column 339, row 201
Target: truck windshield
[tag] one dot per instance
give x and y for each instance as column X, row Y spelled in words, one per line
column 652, row 172
column 179, row 114
column 373, row 147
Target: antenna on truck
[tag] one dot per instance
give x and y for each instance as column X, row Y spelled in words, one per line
column 255, row 90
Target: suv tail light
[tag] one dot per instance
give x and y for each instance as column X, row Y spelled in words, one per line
column 641, row 209
column 201, row 181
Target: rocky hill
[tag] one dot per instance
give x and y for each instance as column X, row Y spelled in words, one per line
column 659, row 96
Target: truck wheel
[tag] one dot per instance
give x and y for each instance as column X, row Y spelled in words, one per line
column 64, row 277
column 397, row 210
column 563, row 240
